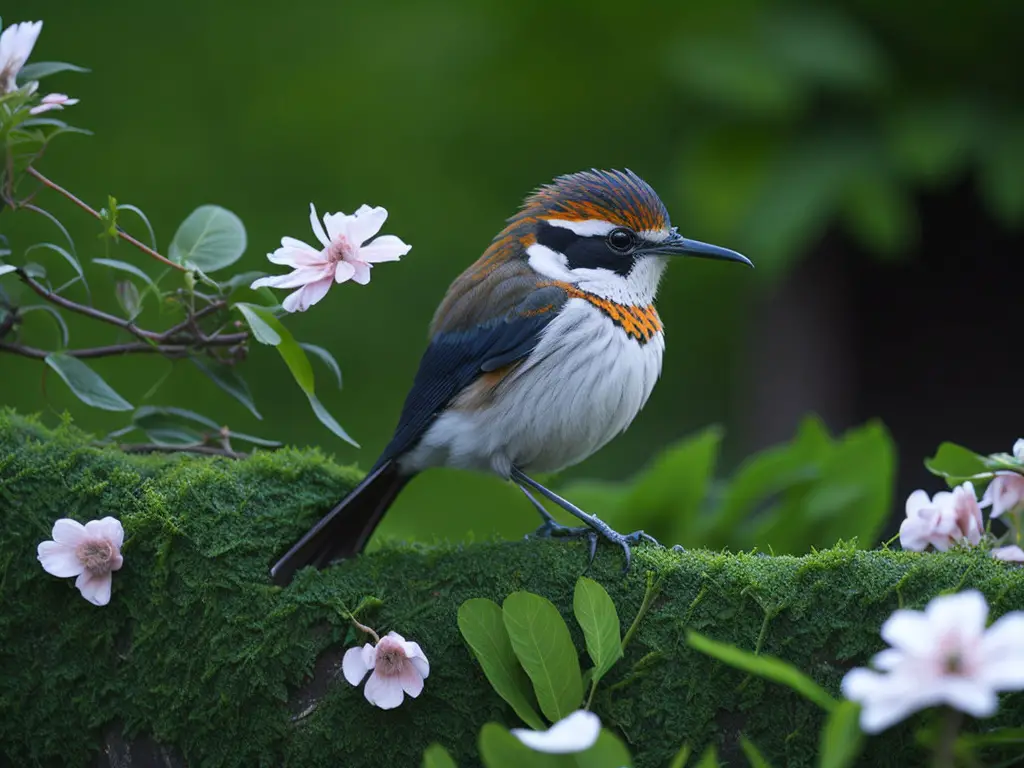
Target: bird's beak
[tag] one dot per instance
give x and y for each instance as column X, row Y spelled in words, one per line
column 677, row 245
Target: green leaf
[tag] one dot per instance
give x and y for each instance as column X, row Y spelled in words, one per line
column 255, row 440
column 145, row 220
column 55, row 314
column 436, row 756
column 682, row 757
column 128, row 297
column 124, row 266
column 607, row 752
column 87, row 385
column 709, row 759
column 767, row 667
column 211, row 238
column 327, row 420
column 69, row 258
column 326, row 357
column 542, row 644
column 7, row 268
column 483, row 628
column 500, row 749
column 956, row 464
column 841, row 738
column 599, row 620
column 262, row 330
column 225, row 377
column 241, row 280
column 752, row 753
column 41, row 69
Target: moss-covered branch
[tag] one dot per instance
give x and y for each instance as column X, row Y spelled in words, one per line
column 199, row 659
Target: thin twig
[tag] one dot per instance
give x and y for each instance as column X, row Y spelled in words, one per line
column 185, row 324
column 96, row 214
column 205, row 450
column 171, row 351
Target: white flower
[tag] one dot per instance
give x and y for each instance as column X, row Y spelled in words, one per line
column 52, row 101
column 90, row 552
column 942, row 521
column 16, row 44
column 575, row 732
column 1005, row 493
column 943, row 655
column 345, row 255
column 1018, row 449
column 398, row 666
column 1011, row 554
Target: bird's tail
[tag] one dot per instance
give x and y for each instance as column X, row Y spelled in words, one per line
column 344, row 530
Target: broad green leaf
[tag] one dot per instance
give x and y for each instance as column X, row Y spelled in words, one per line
column 326, row 357
column 544, row 647
column 124, row 266
column 32, row 269
column 599, row 620
column 841, row 738
column 128, row 298
column 436, row 756
column 682, row 757
column 956, row 464
column 41, row 69
column 607, row 752
column 709, row 759
column 261, row 329
column 241, row 280
column 483, row 628
column 225, row 377
column 327, row 420
column 500, row 749
column 87, row 385
column 767, row 667
column 752, row 753
column 211, row 238
column 7, row 268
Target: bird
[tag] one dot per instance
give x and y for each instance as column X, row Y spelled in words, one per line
column 540, row 353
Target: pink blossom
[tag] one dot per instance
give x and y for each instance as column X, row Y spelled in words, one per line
column 52, row 101
column 943, row 655
column 576, row 732
column 943, row 520
column 91, row 552
column 348, row 253
column 1011, row 554
column 399, row 667
column 16, row 43
column 1005, row 493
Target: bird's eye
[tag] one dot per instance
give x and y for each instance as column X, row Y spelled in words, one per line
column 621, row 240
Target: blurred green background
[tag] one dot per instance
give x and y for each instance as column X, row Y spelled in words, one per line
column 788, row 131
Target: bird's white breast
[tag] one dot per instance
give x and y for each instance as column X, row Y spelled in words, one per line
column 583, row 384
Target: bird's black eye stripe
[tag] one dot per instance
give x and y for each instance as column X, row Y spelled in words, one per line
column 622, row 240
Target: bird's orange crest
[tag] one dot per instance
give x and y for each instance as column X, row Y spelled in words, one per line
column 618, row 197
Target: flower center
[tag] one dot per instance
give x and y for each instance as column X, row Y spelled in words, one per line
column 339, row 248
column 96, row 555
column 390, row 658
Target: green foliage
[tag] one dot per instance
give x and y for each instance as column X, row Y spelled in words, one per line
column 543, row 646
column 958, row 464
column 501, row 749
column 841, row 738
column 436, row 756
column 211, row 238
column 596, row 614
column 87, row 385
column 808, row 493
column 753, row 754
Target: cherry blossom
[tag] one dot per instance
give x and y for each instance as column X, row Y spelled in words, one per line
column 942, row 521
column 91, row 552
column 16, row 43
column 399, row 667
column 52, row 101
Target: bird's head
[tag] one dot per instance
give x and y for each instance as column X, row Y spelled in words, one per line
column 605, row 231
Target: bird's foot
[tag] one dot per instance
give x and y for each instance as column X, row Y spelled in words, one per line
column 625, row 541
column 551, row 529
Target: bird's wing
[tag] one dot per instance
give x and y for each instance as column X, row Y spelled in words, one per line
column 456, row 356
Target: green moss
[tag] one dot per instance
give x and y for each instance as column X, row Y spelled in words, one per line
column 199, row 652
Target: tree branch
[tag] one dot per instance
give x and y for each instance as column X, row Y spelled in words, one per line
column 171, row 351
column 96, row 214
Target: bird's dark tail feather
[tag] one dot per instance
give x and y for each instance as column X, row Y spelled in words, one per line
column 344, row 530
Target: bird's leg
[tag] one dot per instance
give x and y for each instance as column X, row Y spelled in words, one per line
column 595, row 523
column 551, row 527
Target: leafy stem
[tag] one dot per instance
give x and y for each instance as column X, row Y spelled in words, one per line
column 97, row 215
column 652, row 590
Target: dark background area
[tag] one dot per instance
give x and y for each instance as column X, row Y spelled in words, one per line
column 867, row 156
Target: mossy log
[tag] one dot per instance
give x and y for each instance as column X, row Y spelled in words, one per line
column 198, row 660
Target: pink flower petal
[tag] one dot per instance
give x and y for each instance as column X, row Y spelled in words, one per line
column 1011, row 554
column 108, row 528
column 365, row 223
column 59, row 559
column 411, row 681
column 295, row 253
column 360, row 272
column 383, row 692
column 69, row 532
column 307, row 296
column 295, row 279
column 344, row 271
column 318, row 228
column 354, row 666
column 384, row 248
column 94, row 588
column 574, row 733
column 417, row 658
